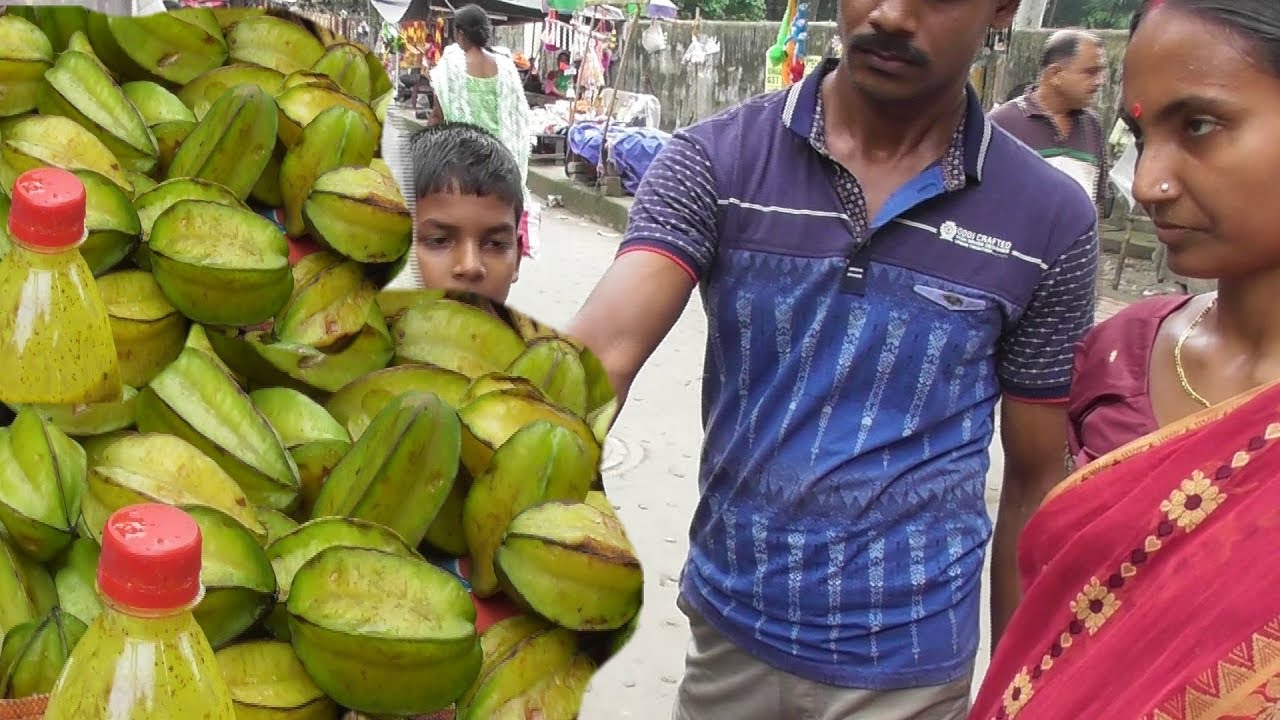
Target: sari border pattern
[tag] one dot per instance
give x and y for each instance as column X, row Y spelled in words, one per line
column 1244, row 679
column 1185, row 508
column 1149, row 441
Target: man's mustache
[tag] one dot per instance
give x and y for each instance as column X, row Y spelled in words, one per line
column 888, row 45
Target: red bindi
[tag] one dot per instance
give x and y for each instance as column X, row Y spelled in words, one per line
column 1136, row 112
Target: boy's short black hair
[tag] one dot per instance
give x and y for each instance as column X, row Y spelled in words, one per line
column 464, row 159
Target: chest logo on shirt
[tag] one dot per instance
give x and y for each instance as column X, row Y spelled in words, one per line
column 956, row 235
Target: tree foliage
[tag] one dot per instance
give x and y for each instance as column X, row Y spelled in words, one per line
column 1096, row 14
column 748, row 10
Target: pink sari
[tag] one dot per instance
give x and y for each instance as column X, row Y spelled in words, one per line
column 1151, row 580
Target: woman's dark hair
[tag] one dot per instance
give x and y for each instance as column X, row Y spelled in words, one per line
column 463, row 159
column 1257, row 21
column 473, row 22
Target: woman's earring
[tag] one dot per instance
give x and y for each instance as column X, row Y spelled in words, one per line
column 1164, row 188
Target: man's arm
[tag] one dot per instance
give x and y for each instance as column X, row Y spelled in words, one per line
column 670, row 242
column 1036, row 364
column 1034, row 440
column 629, row 312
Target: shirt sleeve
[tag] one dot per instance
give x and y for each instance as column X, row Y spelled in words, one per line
column 1036, row 357
column 675, row 210
column 1075, row 420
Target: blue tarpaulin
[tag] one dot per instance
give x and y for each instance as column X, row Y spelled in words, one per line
column 632, row 148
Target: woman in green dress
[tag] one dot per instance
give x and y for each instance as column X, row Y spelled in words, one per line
column 473, row 84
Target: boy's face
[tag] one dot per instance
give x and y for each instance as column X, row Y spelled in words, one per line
column 467, row 242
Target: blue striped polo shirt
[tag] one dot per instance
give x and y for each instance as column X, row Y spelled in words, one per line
column 852, row 368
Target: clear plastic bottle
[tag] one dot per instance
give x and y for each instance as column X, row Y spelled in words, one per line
column 144, row 657
column 56, row 345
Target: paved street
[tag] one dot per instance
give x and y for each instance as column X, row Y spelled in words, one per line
column 651, row 465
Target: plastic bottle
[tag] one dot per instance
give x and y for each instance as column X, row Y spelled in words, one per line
column 144, row 657
column 56, row 345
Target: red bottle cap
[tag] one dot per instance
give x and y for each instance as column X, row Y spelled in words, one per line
column 150, row 558
column 48, row 210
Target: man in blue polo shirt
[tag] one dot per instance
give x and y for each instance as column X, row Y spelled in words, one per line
column 880, row 266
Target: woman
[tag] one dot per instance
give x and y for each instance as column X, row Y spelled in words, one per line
column 474, row 85
column 1149, row 576
column 556, row 82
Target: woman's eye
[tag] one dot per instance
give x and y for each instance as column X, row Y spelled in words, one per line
column 434, row 241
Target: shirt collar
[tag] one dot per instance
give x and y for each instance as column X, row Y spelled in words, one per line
column 801, row 109
column 1031, row 107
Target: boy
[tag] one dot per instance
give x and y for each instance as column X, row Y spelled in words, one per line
column 468, row 202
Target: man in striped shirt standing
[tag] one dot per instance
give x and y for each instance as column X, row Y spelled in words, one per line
column 1055, row 116
column 880, row 266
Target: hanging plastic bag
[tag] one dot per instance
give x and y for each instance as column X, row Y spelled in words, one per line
column 654, row 40
column 694, row 54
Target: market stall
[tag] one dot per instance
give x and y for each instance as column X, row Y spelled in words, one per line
column 342, row 473
column 416, row 32
column 605, row 119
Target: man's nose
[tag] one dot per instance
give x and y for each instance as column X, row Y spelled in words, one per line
column 894, row 17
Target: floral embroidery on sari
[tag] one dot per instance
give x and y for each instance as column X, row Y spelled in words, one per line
column 1186, row 508
column 1094, row 605
column 1189, row 504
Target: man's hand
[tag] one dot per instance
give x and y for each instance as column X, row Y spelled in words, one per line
column 629, row 312
column 1034, row 438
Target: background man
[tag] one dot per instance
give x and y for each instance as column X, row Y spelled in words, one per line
column 879, row 267
column 1056, row 117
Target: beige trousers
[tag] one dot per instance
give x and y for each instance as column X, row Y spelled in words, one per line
column 722, row 682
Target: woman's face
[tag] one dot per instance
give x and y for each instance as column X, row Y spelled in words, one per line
column 1206, row 112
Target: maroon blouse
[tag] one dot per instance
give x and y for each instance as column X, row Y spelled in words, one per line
column 1110, row 401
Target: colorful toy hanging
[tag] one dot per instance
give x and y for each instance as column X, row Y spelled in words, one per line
column 799, row 41
column 435, row 46
column 788, row 52
column 548, row 38
column 392, row 39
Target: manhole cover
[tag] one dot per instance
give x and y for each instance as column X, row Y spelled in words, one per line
column 617, row 456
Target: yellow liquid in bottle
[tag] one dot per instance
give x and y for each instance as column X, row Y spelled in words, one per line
column 139, row 667
column 56, row 345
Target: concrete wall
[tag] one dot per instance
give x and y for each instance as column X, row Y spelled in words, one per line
column 728, row 77
column 737, row 72
column 1030, row 14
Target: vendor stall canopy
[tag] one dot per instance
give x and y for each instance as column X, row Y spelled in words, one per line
column 501, row 12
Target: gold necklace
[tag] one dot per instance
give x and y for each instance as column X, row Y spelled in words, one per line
column 1177, row 353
